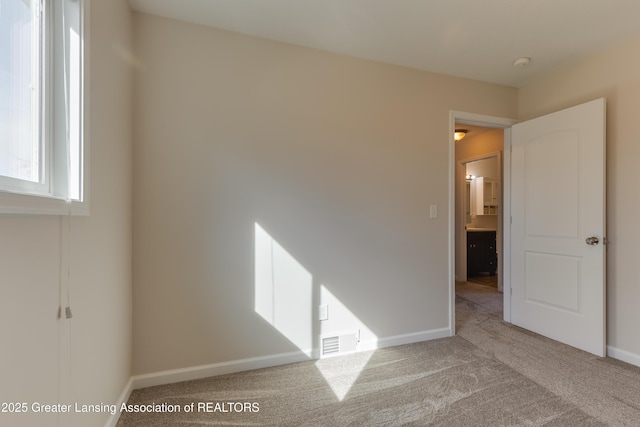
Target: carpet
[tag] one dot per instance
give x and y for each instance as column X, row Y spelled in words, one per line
column 485, row 297
column 444, row 382
column 490, row 374
column 604, row 388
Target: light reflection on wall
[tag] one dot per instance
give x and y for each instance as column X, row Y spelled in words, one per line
column 341, row 319
column 283, row 291
column 284, row 298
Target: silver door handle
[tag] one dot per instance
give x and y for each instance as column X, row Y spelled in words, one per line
column 593, row 241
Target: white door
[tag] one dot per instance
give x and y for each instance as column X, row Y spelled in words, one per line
column 558, row 226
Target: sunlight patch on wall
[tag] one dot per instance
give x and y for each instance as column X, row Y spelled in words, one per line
column 283, row 291
column 284, row 297
column 342, row 373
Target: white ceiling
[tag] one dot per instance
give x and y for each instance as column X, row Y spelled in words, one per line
column 476, row 39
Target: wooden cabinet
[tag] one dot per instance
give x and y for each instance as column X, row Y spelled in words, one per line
column 486, row 197
column 481, row 253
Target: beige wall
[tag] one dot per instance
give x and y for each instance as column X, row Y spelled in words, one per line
column 336, row 158
column 87, row 359
column 615, row 75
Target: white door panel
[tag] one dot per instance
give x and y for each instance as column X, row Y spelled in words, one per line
column 557, row 201
column 553, row 280
column 551, row 185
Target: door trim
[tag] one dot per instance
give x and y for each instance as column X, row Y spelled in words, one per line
column 490, row 122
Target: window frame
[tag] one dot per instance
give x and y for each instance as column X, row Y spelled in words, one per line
column 51, row 196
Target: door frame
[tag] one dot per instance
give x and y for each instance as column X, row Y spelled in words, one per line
column 462, row 117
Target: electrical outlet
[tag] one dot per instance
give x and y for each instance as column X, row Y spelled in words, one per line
column 323, row 312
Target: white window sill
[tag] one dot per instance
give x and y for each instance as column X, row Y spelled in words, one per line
column 26, row 204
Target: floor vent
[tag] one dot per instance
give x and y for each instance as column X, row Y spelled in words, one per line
column 338, row 344
column 330, row 345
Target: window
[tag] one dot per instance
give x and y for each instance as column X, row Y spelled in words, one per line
column 42, row 106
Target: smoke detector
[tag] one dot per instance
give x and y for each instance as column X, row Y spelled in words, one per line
column 522, row 62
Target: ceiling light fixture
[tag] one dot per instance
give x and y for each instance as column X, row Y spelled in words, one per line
column 459, row 134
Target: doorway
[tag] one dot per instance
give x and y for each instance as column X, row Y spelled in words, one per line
column 478, row 124
column 478, row 213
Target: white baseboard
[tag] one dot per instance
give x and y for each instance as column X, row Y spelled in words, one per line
column 204, row 371
column 211, row 370
column 124, row 396
column 624, row 356
column 404, row 339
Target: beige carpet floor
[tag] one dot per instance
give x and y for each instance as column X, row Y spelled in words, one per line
column 486, row 297
column 604, row 388
column 490, row 374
